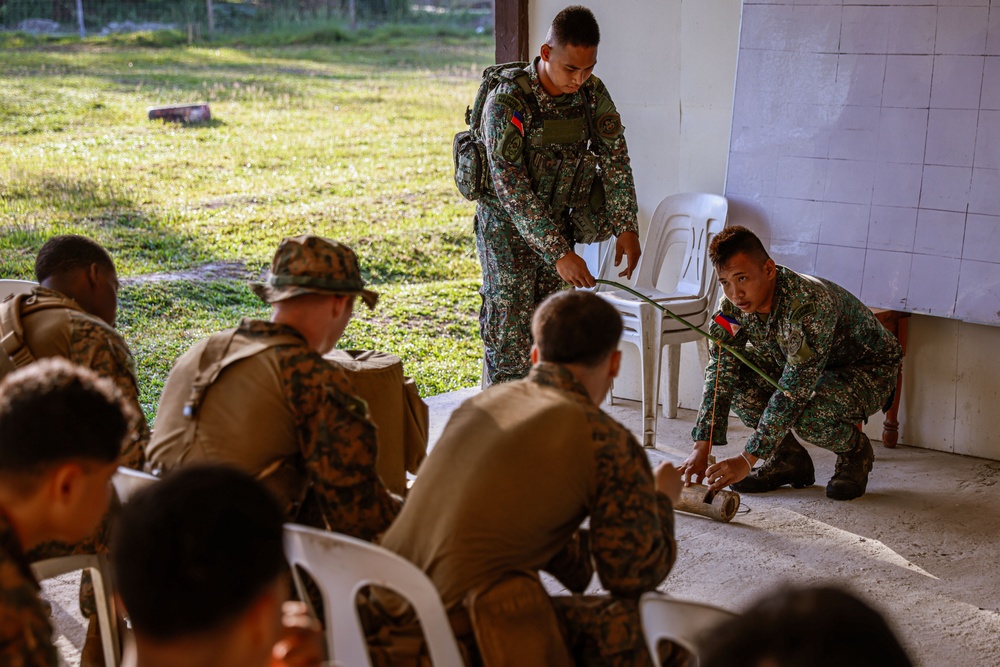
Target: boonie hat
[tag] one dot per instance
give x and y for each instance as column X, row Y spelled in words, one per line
column 310, row 264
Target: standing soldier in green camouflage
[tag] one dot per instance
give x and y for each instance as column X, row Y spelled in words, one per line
column 261, row 397
column 837, row 365
column 71, row 314
column 513, row 475
column 61, row 433
column 557, row 161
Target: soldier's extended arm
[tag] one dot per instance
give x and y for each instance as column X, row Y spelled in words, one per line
column 103, row 351
column 631, row 524
column 504, row 142
column 616, row 167
column 808, row 351
column 716, row 397
column 339, row 447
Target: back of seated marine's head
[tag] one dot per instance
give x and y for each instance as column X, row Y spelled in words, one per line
column 195, row 551
column 819, row 626
column 576, row 327
column 82, row 270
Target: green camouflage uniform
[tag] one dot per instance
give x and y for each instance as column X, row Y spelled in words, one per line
column 25, row 631
column 471, row 518
column 325, row 475
column 522, row 227
column 821, row 344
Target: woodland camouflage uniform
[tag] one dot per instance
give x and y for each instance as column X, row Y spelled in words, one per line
column 499, row 493
column 283, row 414
column 820, row 343
column 522, row 226
column 68, row 331
column 25, row 631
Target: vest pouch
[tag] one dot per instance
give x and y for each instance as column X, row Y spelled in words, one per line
column 583, row 181
column 590, row 222
column 471, row 168
column 543, row 167
column 563, row 188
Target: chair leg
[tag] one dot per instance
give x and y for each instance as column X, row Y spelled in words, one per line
column 650, row 326
column 672, row 377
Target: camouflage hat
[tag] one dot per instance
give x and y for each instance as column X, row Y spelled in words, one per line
column 310, row 264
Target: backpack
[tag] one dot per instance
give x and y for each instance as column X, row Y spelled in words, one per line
column 469, row 153
column 14, row 352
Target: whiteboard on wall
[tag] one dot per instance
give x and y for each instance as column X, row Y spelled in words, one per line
column 868, row 139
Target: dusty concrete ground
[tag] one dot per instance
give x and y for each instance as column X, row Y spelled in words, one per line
column 921, row 544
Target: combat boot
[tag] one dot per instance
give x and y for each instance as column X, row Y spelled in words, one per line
column 850, row 477
column 789, row 463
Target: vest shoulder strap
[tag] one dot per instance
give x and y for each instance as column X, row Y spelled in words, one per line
column 223, row 350
column 15, row 353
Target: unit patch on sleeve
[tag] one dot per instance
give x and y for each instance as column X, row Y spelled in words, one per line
column 609, row 126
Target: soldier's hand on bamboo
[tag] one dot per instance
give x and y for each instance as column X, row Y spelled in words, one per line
column 627, row 244
column 668, row 481
column 694, row 466
column 725, row 472
column 573, row 270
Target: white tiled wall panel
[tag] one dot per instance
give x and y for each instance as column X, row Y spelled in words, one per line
column 868, row 131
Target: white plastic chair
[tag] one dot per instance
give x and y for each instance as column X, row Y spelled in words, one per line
column 680, row 621
column 8, row 287
column 127, row 481
column 342, row 566
column 674, row 270
column 100, row 573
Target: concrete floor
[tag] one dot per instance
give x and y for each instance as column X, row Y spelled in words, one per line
column 920, row 544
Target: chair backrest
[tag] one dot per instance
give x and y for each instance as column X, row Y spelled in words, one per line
column 127, row 481
column 341, row 566
column 680, row 621
column 675, row 249
column 8, row 287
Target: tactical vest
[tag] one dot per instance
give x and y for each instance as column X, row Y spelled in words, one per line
column 564, row 171
column 15, row 353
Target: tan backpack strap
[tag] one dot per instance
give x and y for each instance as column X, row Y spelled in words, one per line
column 219, row 353
column 12, row 335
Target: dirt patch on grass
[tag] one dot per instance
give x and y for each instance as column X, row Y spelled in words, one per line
column 206, row 272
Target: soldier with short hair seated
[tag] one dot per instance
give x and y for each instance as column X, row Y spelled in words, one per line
column 61, row 434
column 503, row 493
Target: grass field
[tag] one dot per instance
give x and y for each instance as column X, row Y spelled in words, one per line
column 350, row 141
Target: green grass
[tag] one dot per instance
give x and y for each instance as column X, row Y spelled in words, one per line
column 350, row 141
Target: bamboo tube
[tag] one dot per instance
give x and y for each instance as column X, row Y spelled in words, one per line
column 717, row 505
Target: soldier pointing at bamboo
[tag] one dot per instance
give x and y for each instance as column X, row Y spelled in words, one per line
column 547, row 161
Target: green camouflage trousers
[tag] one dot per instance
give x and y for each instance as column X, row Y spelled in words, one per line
column 515, row 281
column 844, row 397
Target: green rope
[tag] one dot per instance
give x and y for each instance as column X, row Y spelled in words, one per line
column 724, row 346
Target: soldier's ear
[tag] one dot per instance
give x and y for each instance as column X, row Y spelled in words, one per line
column 534, row 355
column 546, row 52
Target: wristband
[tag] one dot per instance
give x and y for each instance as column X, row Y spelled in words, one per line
column 743, row 456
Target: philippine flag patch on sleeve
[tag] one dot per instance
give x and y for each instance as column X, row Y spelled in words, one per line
column 726, row 322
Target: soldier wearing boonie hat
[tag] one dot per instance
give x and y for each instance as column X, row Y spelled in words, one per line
column 310, row 264
column 261, row 397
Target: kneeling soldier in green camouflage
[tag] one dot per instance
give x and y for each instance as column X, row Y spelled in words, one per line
column 261, row 397
column 835, row 362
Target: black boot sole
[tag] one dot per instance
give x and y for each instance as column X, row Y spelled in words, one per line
column 742, row 487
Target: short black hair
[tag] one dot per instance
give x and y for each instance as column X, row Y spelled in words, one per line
column 575, row 26
column 69, row 252
column 576, row 327
column 53, row 411
column 193, row 551
column 734, row 240
column 821, row 626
